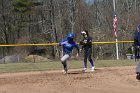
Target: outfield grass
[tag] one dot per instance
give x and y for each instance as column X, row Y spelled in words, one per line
column 42, row 66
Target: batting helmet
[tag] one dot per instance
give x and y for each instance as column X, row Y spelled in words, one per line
column 70, row 35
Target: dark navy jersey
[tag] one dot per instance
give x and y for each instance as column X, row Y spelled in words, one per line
column 86, row 42
column 68, row 45
column 137, row 38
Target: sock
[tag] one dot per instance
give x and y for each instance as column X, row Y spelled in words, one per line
column 91, row 62
column 85, row 63
column 64, row 65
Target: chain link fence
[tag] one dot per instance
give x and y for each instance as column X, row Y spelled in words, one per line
column 47, row 53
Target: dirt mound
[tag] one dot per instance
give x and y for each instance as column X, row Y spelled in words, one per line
column 36, row 58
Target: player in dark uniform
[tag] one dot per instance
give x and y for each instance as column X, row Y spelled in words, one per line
column 87, row 48
column 137, row 50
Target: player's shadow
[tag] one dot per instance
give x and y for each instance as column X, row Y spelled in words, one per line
column 80, row 72
column 75, row 72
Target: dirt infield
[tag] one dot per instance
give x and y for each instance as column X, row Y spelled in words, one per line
column 103, row 80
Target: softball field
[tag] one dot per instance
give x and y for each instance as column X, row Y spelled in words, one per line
column 118, row 79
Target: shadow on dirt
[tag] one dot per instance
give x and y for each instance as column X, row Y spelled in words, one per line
column 75, row 72
column 81, row 72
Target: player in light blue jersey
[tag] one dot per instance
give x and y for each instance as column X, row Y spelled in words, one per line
column 68, row 44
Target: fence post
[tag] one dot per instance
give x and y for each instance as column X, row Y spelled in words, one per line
column 123, row 51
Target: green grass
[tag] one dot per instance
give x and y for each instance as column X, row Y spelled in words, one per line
column 113, row 63
column 42, row 66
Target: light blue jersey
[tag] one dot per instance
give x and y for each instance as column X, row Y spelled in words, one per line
column 68, row 46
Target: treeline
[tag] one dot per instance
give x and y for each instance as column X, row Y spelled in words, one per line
column 48, row 21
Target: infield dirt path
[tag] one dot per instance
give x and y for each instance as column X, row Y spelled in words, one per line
column 103, row 80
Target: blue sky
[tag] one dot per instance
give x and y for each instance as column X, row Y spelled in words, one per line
column 89, row 1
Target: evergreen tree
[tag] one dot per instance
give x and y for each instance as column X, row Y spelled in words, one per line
column 22, row 6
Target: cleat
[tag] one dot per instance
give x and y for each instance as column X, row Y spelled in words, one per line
column 84, row 70
column 93, row 69
column 64, row 72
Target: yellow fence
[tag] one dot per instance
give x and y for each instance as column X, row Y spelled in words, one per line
column 55, row 44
